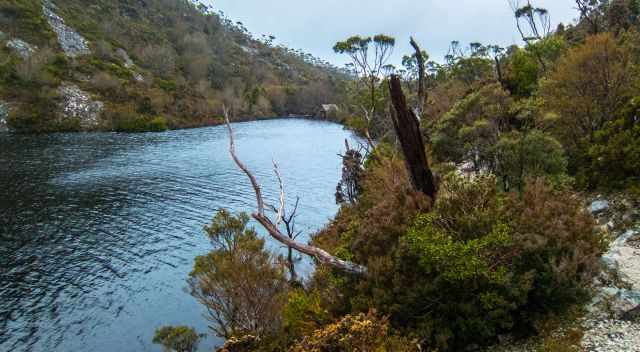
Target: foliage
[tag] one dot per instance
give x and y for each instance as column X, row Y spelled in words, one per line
column 615, row 154
column 356, row 333
column 303, row 314
column 588, row 86
column 479, row 264
column 184, row 58
column 126, row 120
column 238, row 276
column 535, row 154
column 349, row 187
column 178, row 338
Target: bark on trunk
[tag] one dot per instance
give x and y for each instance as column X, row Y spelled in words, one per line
column 408, row 131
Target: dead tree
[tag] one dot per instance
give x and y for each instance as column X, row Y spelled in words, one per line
column 289, row 221
column 259, row 215
column 407, row 129
column 422, row 89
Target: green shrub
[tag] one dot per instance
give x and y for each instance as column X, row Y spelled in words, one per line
column 480, row 263
column 128, row 121
column 177, row 338
column 356, row 333
column 615, row 155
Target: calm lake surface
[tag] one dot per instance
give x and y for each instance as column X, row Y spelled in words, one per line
column 98, row 231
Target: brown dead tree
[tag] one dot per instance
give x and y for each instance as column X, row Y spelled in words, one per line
column 407, row 129
column 322, row 256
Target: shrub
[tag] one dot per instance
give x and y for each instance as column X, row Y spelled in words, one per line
column 236, row 278
column 178, row 338
column 127, row 120
column 588, row 87
column 480, row 263
column 615, row 155
column 356, row 333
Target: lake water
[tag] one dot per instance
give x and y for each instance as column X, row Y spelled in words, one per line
column 99, row 231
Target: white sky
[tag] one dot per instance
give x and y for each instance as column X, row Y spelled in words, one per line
column 316, row 25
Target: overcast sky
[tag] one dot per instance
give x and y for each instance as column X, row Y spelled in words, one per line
column 316, row 25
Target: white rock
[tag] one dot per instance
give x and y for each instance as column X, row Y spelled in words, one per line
column 71, row 42
column 77, row 103
column 22, row 48
column 126, row 60
column 599, row 206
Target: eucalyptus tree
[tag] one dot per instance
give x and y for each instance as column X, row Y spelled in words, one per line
column 369, row 56
column 537, row 19
column 593, row 12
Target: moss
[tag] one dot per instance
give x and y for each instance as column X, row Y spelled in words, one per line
column 113, row 68
column 167, row 85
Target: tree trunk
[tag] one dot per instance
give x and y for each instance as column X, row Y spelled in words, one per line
column 407, row 128
column 422, row 90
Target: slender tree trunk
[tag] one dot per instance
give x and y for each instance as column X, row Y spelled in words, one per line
column 422, row 89
column 407, row 128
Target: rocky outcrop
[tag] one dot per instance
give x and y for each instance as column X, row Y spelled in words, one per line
column 612, row 324
column 77, row 104
column 4, row 114
column 128, row 63
column 22, row 48
column 71, row 42
column 126, row 60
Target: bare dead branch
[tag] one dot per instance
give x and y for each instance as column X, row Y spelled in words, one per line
column 232, row 150
column 322, row 256
column 422, row 90
column 281, row 209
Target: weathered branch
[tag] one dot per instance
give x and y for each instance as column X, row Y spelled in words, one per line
column 408, row 131
column 422, row 89
column 319, row 254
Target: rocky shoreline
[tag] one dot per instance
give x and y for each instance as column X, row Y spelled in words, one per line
column 611, row 321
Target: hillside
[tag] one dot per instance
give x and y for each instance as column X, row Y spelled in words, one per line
column 132, row 65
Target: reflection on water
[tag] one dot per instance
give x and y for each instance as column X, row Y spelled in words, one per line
column 98, row 232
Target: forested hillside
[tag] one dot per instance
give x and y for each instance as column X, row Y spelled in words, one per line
column 145, row 65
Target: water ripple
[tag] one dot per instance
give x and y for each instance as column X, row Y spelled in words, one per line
column 98, row 232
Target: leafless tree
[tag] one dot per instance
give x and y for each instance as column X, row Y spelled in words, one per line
column 422, row 89
column 322, row 256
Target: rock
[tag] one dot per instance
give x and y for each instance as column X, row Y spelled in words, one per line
column 128, row 63
column 4, row 114
column 77, row 103
column 138, row 77
column 71, row 42
column 598, row 207
column 632, row 315
column 22, row 48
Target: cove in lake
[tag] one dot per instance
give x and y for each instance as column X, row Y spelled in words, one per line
column 98, row 231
